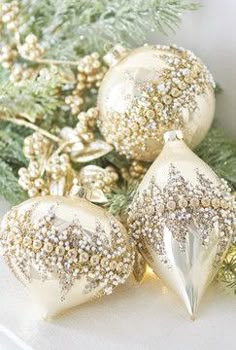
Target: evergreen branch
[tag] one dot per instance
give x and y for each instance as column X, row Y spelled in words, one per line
column 33, row 99
column 227, row 272
column 11, row 144
column 67, row 28
column 121, row 197
column 9, row 187
column 219, row 152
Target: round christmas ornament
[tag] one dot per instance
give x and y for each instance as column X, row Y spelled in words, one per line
column 182, row 220
column 149, row 91
column 66, row 251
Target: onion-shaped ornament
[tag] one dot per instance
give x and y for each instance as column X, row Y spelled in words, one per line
column 66, row 251
column 182, row 220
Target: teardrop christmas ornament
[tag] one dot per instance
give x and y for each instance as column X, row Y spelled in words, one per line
column 66, row 251
column 182, row 220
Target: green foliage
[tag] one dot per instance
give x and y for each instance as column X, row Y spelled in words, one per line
column 69, row 28
column 9, row 187
column 121, row 197
column 219, row 152
column 33, row 98
column 11, row 147
column 227, row 272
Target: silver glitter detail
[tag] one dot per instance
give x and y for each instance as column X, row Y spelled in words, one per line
column 156, row 208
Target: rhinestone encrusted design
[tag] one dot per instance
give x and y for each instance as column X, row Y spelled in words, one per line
column 179, row 206
column 158, row 104
column 69, row 253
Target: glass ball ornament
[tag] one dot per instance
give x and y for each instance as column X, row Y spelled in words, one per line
column 150, row 90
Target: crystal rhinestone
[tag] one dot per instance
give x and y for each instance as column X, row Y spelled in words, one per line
column 195, row 71
column 104, row 262
column 60, row 250
column 83, row 257
column 205, row 201
column 224, row 204
column 215, row 202
column 119, row 267
column 37, row 244
column 182, row 203
column 72, row 253
column 182, row 85
column 95, row 260
column 175, row 92
column 194, row 202
column 167, row 99
column 113, row 265
column 150, row 210
column 150, row 113
column 160, row 208
column 158, row 106
column 171, row 205
column 18, row 238
column 188, row 79
column 48, row 247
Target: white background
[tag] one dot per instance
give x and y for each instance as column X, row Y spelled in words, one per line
column 210, row 33
column 144, row 317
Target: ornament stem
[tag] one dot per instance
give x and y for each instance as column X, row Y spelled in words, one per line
column 29, row 125
column 114, row 55
column 173, row 135
column 51, row 61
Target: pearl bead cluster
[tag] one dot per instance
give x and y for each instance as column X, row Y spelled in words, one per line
column 8, row 54
column 21, row 73
column 30, row 179
column 136, row 170
column 82, row 133
column 82, row 143
column 9, row 12
column 31, row 48
column 179, row 205
column 9, row 22
column 103, row 179
column 44, row 167
column 90, row 74
column 158, row 104
column 70, row 253
column 52, row 173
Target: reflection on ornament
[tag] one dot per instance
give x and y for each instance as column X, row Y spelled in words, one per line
column 151, row 90
column 182, row 220
column 140, row 267
column 65, row 251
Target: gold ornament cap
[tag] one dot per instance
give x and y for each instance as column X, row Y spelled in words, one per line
column 115, row 55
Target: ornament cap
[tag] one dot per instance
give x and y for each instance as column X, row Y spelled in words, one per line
column 115, row 55
column 173, row 135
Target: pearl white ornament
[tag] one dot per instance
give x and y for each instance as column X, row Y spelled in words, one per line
column 184, row 244
column 149, row 91
column 65, row 251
